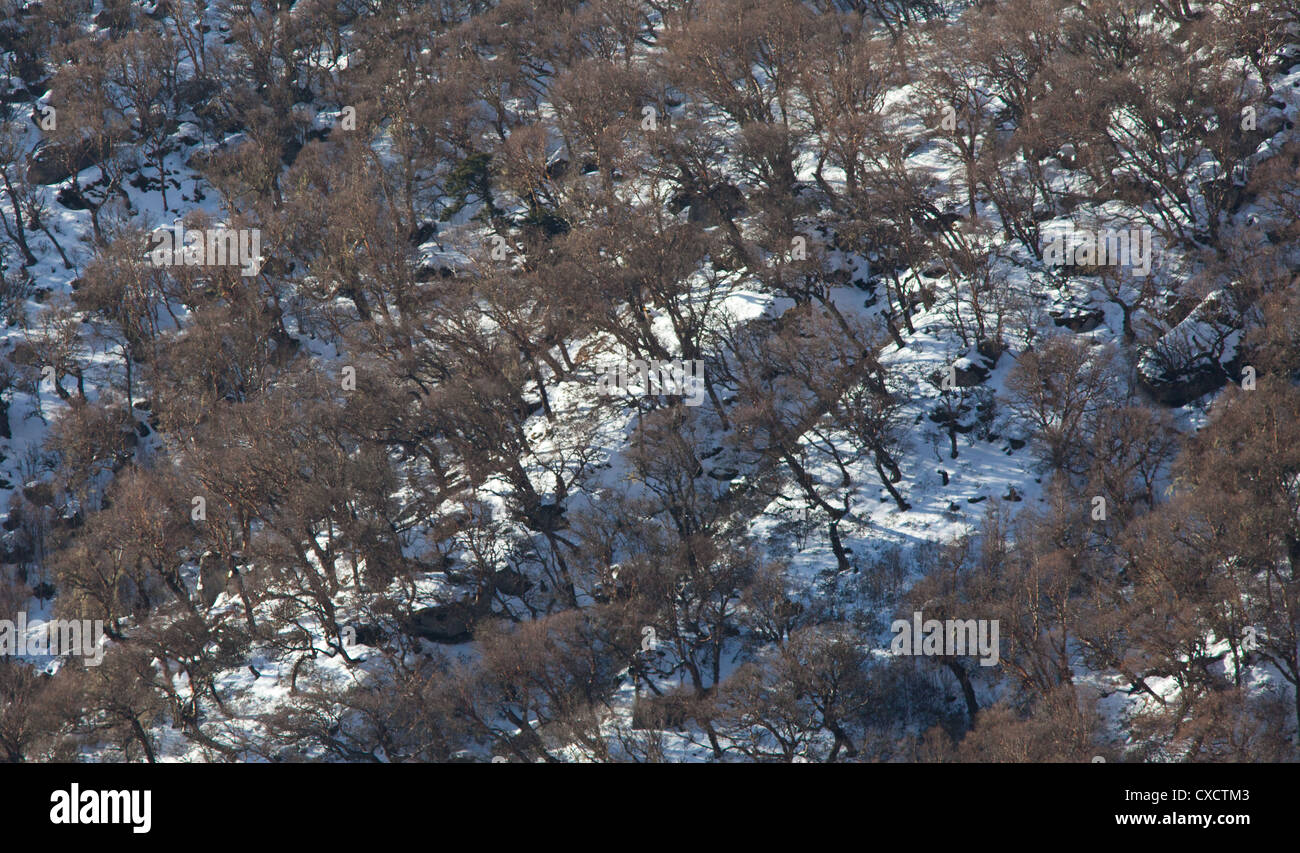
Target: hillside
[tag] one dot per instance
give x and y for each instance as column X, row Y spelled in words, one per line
column 633, row 381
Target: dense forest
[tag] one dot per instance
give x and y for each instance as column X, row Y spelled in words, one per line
column 318, row 375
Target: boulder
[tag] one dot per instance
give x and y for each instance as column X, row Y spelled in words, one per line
column 39, row 493
column 443, row 623
column 711, row 207
column 1079, row 319
column 195, row 91
column 214, row 574
column 970, row 373
column 1182, row 387
column 1196, row 357
column 511, row 582
column 660, row 712
column 25, row 354
column 545, row 518
column 53, row 162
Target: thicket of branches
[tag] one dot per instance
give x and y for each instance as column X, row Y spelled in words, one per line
column 390, row 398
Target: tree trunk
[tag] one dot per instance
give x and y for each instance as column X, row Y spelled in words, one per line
column 889, row 485
column 967, row 689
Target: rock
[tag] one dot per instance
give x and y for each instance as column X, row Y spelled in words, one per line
column 214, row 576
column 72, row 199
column 117, row 17
column 53, row 162
column 659, row 712
column 17, row 549
column 545, row 518
column 191, row 93
column 429, row 273
column 285, row 347
column 369, row 635
column 25, row 354
column 511, row 582
column 976, row 366
column 991, row 351
column 958, row 420
column 1273, row 123
column 1185, row 386
column 424, row 233
column 972, row 374
column 557, row 168
column 39, row 494
column 711, row 207
column 444, row 623
column 934, row 223
column 1196, row 357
